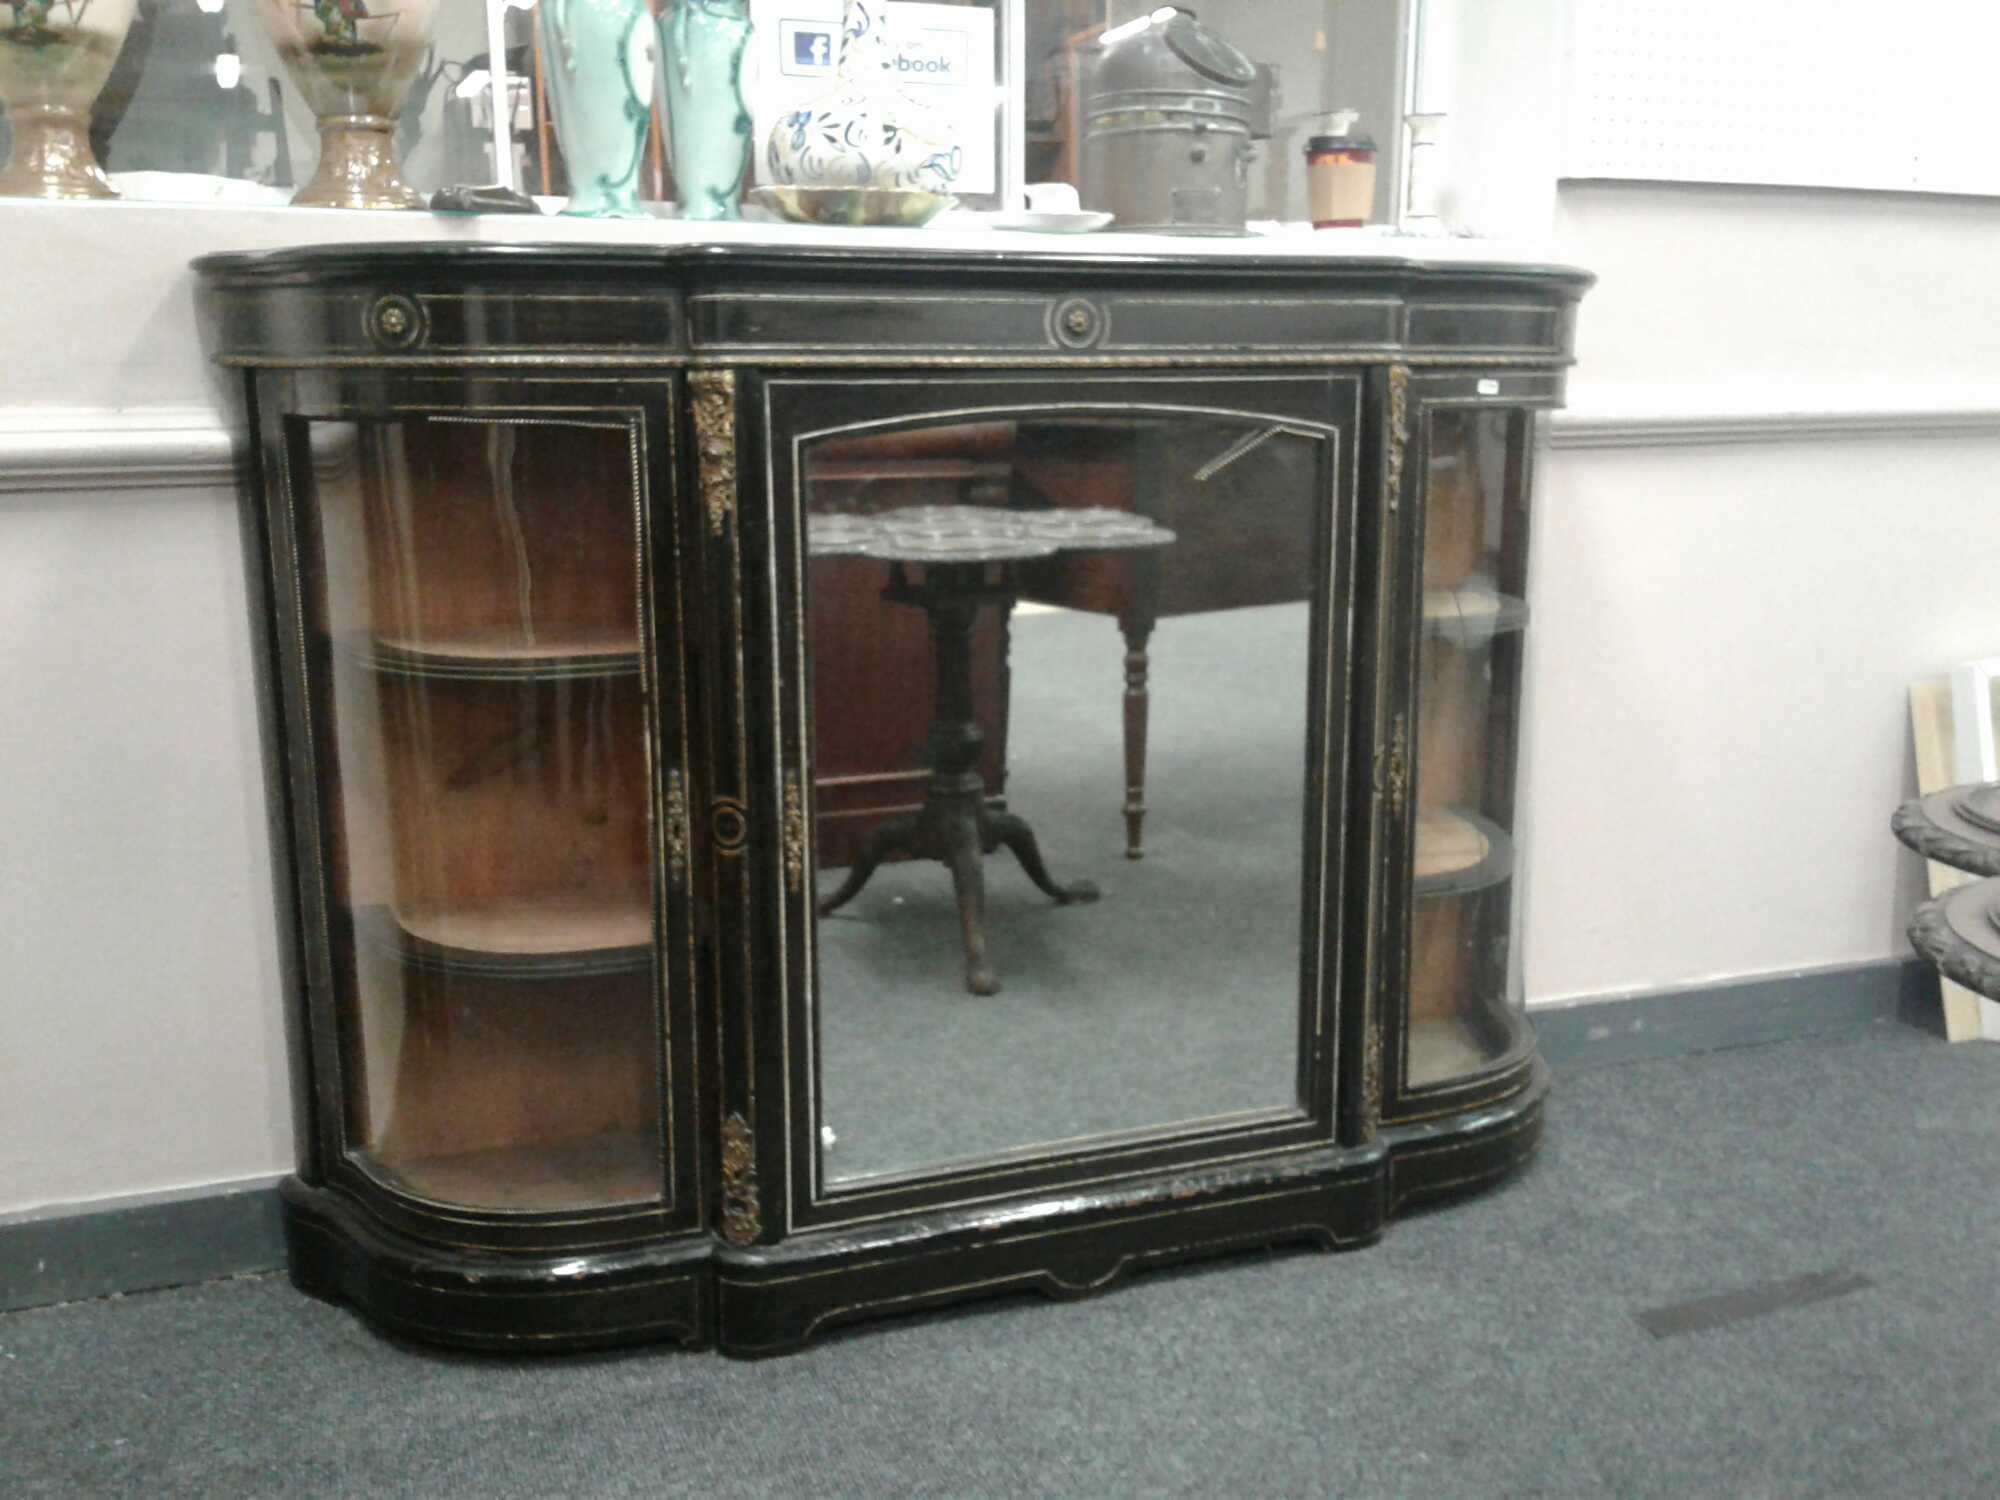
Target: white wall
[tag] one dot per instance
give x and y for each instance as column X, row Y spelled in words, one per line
column 141, row 1040
column 1726, row 627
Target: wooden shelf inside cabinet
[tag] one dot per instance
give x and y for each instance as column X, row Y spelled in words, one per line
column 1471, row 616
column 1446, row 1048
column 1459, row 852
column 612, row 1167
column 556, row 652
column 527, row 939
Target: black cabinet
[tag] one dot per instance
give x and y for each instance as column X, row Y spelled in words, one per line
column 1188, row 921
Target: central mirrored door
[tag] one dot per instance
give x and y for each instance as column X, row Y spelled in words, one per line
column 1065, row 721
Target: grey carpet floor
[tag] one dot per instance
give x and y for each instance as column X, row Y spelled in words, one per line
column 1489, row 1348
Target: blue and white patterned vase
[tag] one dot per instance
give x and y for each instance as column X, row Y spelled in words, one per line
column 702, row 47
column 598, row 56
column 865, row 132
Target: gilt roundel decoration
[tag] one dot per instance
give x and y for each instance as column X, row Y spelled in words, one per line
column 395, row 322
column 1078, row 323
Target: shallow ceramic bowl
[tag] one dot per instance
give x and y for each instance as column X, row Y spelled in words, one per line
column 852, row 206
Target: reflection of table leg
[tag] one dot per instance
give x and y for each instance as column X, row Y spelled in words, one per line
column 966, row 857
column 887, row 839
column 1014, row 832
column 954, row 826
column 1137, row 629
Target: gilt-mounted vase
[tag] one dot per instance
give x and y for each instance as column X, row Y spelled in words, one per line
column 54, row 57
column 352, row 62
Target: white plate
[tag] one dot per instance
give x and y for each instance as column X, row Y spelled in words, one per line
column 1049, row 223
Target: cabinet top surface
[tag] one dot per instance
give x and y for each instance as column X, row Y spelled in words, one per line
column 653, row 293
column 527, row 245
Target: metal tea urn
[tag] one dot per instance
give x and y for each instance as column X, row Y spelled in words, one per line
column 1169, row 115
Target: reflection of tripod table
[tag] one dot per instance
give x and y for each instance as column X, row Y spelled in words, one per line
column 968, row 555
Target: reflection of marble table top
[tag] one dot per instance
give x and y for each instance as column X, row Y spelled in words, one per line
column 978, row 533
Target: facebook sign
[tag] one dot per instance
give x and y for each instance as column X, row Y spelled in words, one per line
column 812, row 49
column 809, row 48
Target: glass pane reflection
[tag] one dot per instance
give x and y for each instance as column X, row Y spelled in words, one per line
column 480, row 717
column 1465, row 994
column 1075, row 642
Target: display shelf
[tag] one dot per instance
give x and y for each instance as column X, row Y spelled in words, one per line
column 549, row 937
column 1459, row 851
column 1470, row 616
column 1453, row 1047
column 1447, row 1047
column 599, row 1171
column 504, row 654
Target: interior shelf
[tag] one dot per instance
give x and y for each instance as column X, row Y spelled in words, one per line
column 546, row 938
column 1460, row 851
column 1470, row 616
column 1449, row 1048
column 599, row 1171
column 555, row 651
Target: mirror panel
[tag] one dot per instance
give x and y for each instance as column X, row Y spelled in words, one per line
column 1061, row 671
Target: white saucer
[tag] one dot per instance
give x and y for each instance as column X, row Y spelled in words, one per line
column 1030, row 222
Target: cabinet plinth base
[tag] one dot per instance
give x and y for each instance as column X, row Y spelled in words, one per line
column 772, row 1299
column 503, row 1303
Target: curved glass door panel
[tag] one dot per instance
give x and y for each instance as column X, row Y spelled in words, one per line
column 1067, row 746
column 1465, row 992
column 479, row 703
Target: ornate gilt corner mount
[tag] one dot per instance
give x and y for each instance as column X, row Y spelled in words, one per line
column 1392, row 767
column 678, row 832
column 795, row 834
column 742, row 1222
column 714, row 400
column 1399, row 435
column 1371, row 1082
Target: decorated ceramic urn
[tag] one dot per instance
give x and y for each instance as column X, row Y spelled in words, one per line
column 865, row 132
column 54, row 57
column 353, row 60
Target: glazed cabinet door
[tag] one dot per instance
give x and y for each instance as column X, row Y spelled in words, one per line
column 1454, row 1028
column 1094, row 630
column 484, row 668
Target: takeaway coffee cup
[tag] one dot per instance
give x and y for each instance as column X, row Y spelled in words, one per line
column 1340, row 176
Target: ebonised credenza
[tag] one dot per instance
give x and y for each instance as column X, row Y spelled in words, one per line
column 600, row 583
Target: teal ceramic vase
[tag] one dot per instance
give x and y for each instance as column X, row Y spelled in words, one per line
column 598, row 56
column 703, row 42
